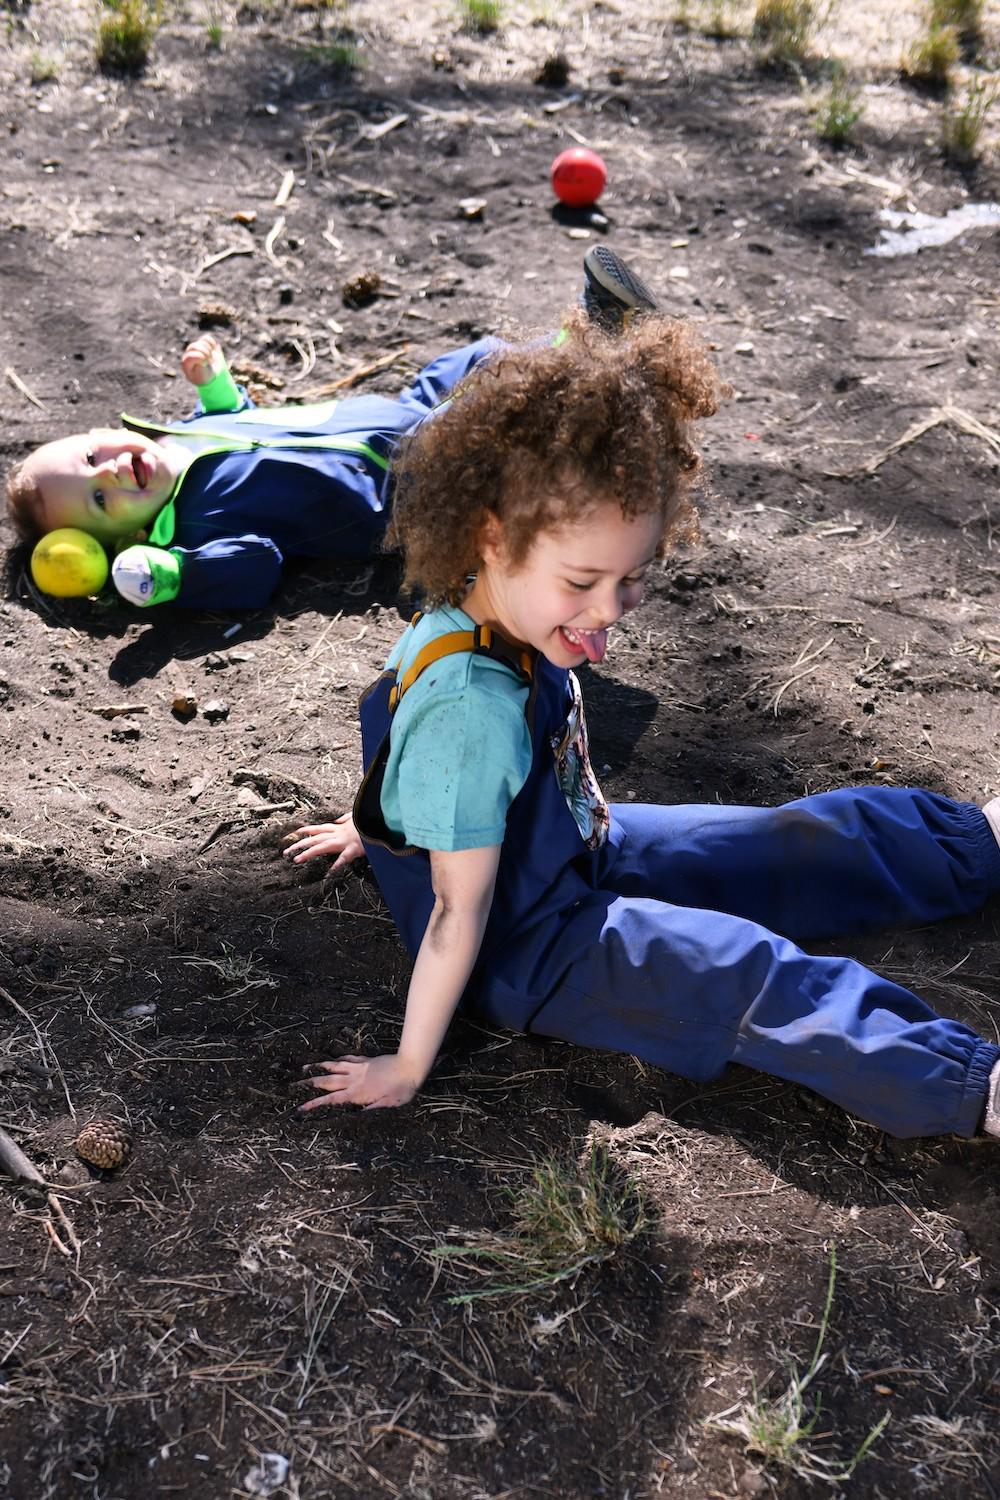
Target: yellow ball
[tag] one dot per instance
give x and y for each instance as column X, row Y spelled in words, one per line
column 69, row 564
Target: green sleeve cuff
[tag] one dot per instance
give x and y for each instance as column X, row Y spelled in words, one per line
column 221, row 393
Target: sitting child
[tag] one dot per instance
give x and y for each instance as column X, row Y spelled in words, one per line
column 529, row 514
column 204, row 511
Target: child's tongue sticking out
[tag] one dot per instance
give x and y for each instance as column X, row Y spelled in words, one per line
column 593, row 643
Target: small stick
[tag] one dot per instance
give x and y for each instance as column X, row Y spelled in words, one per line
column 50, row 1230
column 953, row 414
column 381, row 1428
column 60, row 1213
column 213, row 260
column 286, row 189
column 15, row 1163
column 118, row 710
column 316, row 393
column 19, row 385
column 43, row 1046
column 376, row 132
column 276, row 230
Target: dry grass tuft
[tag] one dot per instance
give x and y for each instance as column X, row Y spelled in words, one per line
column 962, row 124
column 783, row 29
column 781, row 1430
column 568, row 1216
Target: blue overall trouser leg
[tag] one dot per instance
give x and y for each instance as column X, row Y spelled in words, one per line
column 675, row 957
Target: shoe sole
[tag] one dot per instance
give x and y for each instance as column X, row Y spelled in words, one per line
column 606, row 270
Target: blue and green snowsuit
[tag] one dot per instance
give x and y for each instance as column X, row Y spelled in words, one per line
column 268, row 483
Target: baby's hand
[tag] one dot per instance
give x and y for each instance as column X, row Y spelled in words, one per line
column 374, row 1082
column 203, row 359
column 339, row 838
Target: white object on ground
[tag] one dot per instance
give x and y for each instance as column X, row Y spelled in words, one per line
column 910, row 232
column 267, row 1475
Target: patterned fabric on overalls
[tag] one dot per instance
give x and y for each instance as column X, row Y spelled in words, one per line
column 575, row 774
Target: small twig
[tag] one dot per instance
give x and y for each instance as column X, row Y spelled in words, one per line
column 19, row 385
column 804, row 656
column 381, row 1428
column 360, row 372
column 43, row 1046
column 275, row 232
column 953, row 414
column 15, row 1163
column 118, row 710
column 213, row 260
column 50, row 1230
column 367, row 187
column 286, row 189
column 217, row 832
column 56, row 1207
column 376, row 132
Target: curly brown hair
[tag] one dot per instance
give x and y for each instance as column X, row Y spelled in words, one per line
column 541, row 433
column 24, row 502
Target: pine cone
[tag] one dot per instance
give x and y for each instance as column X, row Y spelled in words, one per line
column 104, row 1143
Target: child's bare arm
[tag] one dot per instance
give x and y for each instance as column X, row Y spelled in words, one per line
column 463, row 884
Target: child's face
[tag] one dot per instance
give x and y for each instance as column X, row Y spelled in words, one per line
column 108, row 483
column 576, row 580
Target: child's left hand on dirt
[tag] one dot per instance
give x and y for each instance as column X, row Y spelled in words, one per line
column 203, row 359
column 339, row 838
column 373, row 1082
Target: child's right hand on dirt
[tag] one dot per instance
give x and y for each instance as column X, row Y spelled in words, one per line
column 383, row 1082
column 203, row 359
column 338, row 838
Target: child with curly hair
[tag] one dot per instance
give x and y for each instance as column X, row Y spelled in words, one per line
column 529, row 513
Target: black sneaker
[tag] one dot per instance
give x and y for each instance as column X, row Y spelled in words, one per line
column 612, row 294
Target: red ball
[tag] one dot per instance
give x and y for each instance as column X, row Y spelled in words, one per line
column 578, row 176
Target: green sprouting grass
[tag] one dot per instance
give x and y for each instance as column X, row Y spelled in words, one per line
column 567, row 1216
column 931, row 59
column 483, row 16
column 962, row 126
column 840, row 110
column 125, row 32
column 43, row 68
column 781, row 1430
column 965, row 16
column 338, row 54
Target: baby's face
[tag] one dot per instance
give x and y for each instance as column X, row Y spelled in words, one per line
column 110, row 483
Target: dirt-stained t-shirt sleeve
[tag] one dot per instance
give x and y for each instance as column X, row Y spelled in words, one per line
column 457, row 765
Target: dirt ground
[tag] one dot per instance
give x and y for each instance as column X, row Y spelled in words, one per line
column 252, row 1283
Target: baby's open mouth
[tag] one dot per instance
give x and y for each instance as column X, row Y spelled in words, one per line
column 139, row 470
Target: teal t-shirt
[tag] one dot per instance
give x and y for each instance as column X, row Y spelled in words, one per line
column 459, row 745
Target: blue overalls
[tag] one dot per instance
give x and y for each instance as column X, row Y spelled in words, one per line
column 270, row 483
column 662, row 943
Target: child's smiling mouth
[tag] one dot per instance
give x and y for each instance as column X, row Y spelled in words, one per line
column 593, row 643
column 140, row 473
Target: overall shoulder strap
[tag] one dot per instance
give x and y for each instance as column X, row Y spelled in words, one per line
column 483, row 641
